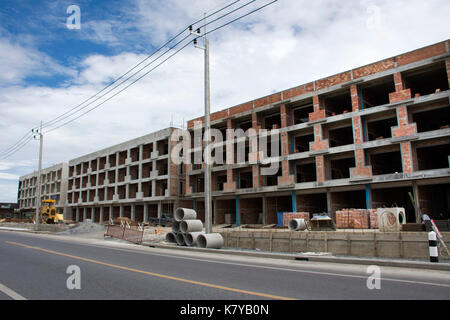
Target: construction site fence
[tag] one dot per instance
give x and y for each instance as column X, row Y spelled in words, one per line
column 126, row 232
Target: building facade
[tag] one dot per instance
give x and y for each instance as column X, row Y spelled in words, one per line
column 53, row 186
column 375, row 136
column 365, row 138
column 135, row 179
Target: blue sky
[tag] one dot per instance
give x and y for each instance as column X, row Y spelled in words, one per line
column 47, row 68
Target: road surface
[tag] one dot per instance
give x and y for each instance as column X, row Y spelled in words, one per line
column 35, row 266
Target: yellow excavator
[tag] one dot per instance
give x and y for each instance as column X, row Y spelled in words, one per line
column 48, row 213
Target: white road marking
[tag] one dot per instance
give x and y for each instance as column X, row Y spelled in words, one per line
column 11, row 293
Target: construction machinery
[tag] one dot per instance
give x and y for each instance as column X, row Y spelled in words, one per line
column 48, row 213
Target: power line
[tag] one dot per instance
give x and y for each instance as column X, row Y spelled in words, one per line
column 18, row 145
column 146, row 73
column 63, row 117
column 7, row 151
column 49, row 123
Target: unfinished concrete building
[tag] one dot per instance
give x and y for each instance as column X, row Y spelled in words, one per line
column 134, row 179
column 364, row 138
column 53, row 186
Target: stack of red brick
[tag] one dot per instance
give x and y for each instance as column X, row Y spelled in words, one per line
column 357, row 219
column 295, row 215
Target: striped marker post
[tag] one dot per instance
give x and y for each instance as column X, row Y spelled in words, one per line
column 433, row 245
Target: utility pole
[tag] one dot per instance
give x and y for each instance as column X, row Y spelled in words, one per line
column 38, row 191
column 208, row 200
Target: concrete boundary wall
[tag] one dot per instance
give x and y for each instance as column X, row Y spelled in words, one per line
column 404, row 245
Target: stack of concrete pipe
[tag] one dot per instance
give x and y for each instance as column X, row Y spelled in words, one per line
column 187, row 230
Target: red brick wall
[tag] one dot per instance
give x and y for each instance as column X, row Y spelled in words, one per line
column 421, row 54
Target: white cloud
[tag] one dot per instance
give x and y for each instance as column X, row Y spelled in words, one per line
column 287, row 44
column 19, row 61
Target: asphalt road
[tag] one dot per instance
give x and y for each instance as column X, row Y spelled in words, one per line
column 35, row 267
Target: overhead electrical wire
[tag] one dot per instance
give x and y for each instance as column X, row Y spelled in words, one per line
column 19, row 144
column 146, row 73
column 144, row 67
column 27, row 138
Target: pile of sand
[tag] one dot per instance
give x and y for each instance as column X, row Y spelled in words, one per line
column 85, row 228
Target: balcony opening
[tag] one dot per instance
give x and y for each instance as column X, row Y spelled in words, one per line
column 226, row 211
column 340, row 136
column 102, row 163
column 101, row 179
column 387, row 162
column 426, row 80
column 220, row 181
column 134, row 172
column 380, row 129
column 112, row 160
column 347, row 200
column 338, row 102
column 161, row 166
column 146, row 170
column 112, row 176
column 147, row 189
column 434, row 119
column 132, row 190
column 250, row 211
column 300, row 113
column 147, row 151
column 433, row 157
column 94, row 165
column 122, row 192
column 163, row 147
column 339, row 166
column 435, row 201
column 276, row 205
column 245, row 178
column 272, row 121
column 122, row 157
column 122, row 174
column 101, row 194
column 376, row 93
column 305, row 172
column 394, row 198
column 301, row 142
column 110, row 193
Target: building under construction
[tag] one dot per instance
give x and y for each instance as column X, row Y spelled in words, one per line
column 365, row 138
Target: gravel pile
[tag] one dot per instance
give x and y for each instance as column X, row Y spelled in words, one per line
column 85, row 228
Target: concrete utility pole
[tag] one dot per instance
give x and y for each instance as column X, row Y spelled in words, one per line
column 38, row 191
column 208, row 199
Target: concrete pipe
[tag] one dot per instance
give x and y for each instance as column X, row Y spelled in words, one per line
column 191, row 238
column 297, row 225
column 180, row 239
column 191, row 226
column 185, row 214
column 210, row 240
column 175, row 226
column 171, row 237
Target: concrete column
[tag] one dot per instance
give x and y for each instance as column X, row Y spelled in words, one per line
column 77, row 214
column 238, row 212
column 215, row 212
column 97, row 177
column 159, row 209
column 84, row 214
column 121, row 210
column 330, row 205
column 145, row 212
column 133, row 212
column 264, row 209
column 111, row 212
column 416, row 202
column 102, row 214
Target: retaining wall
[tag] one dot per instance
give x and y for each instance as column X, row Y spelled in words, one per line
column 404, row 245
